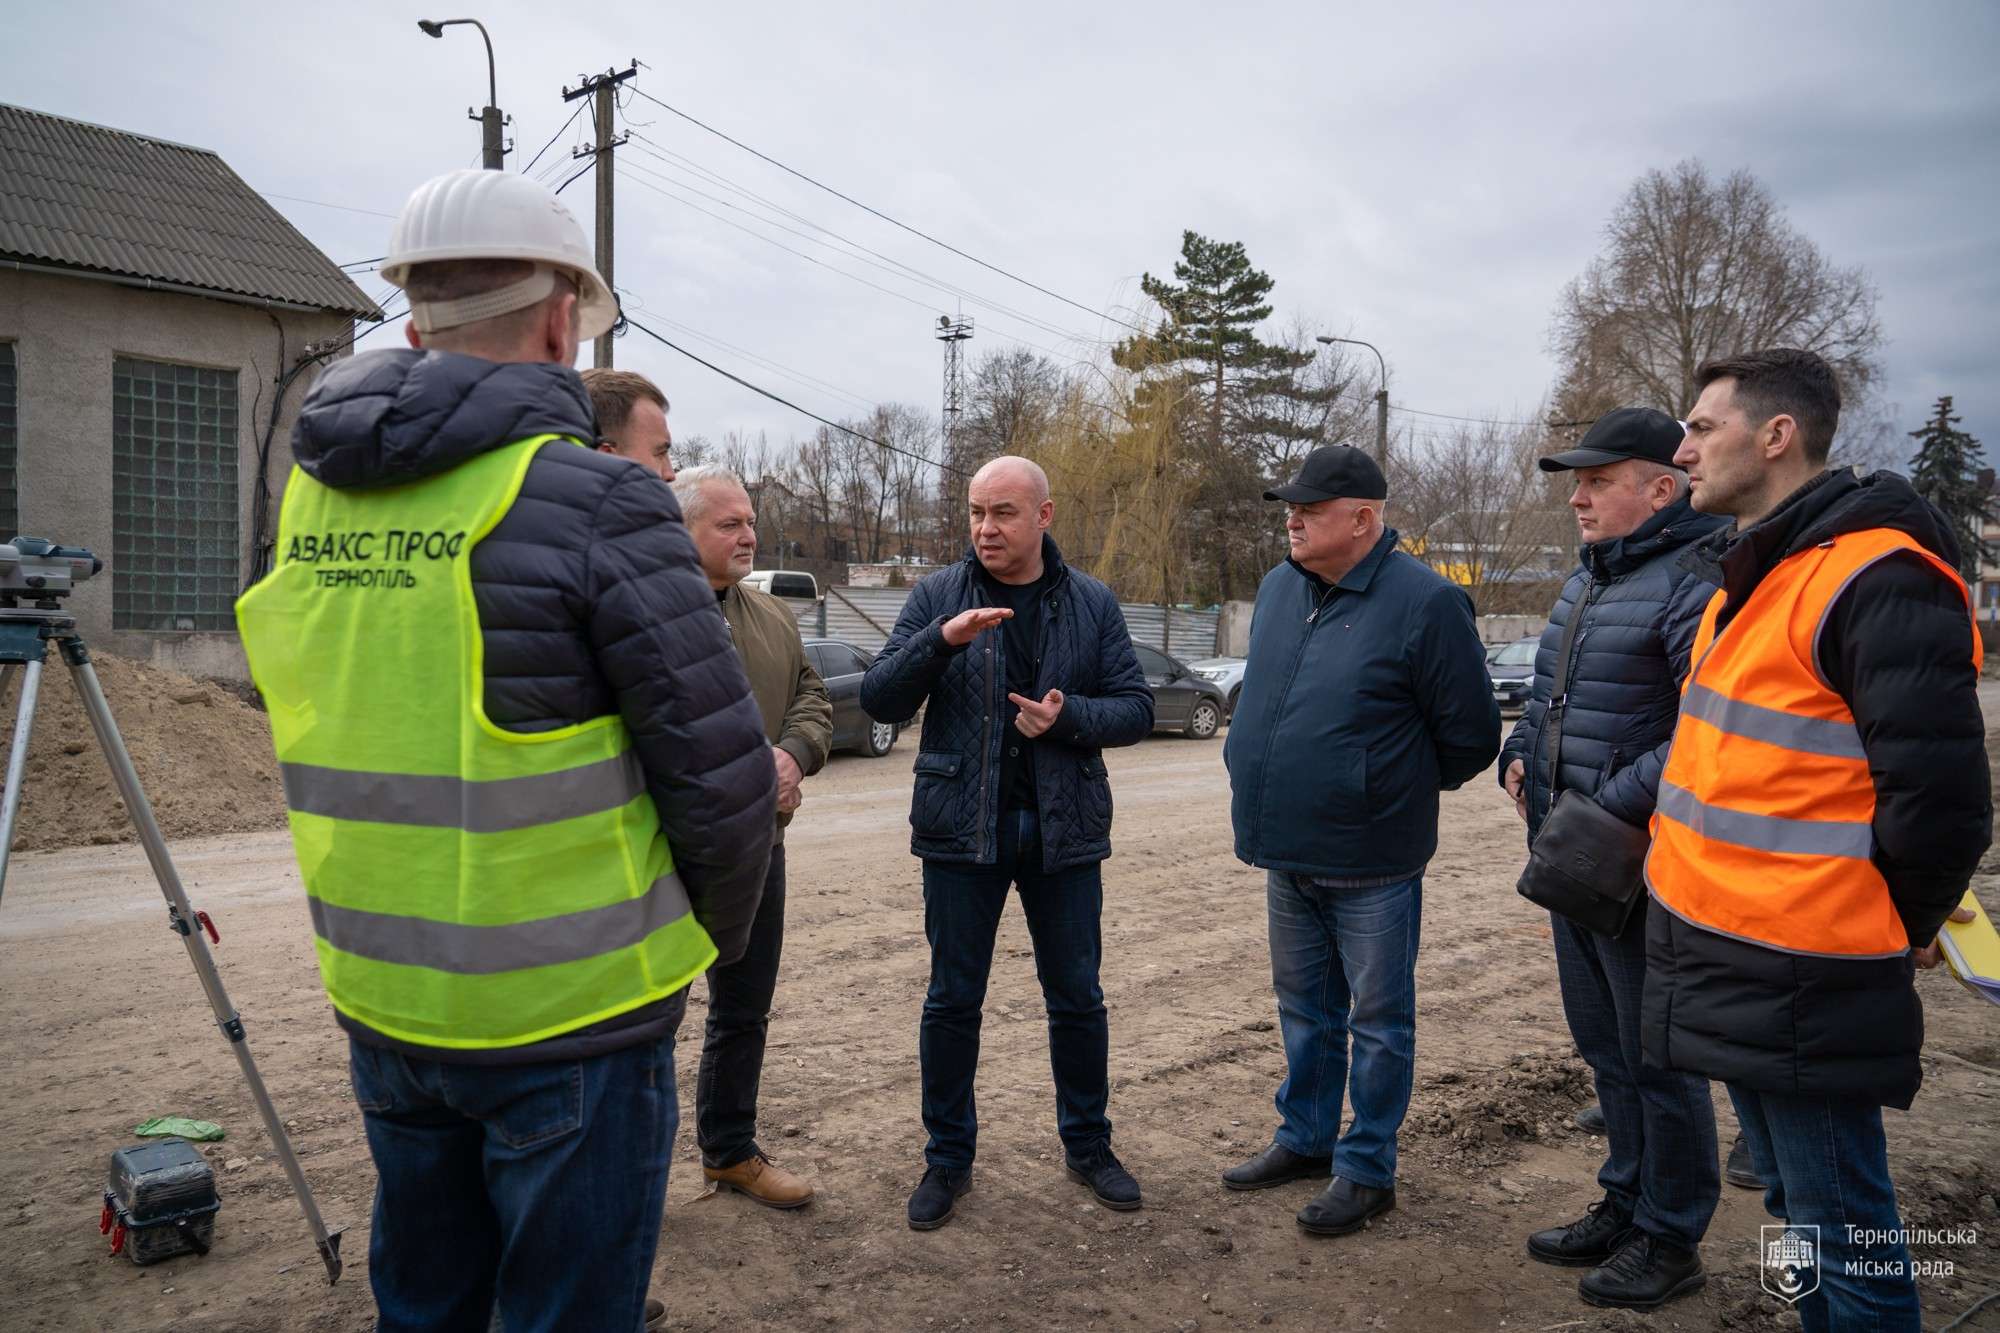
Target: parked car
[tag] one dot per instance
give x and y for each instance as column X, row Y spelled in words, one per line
column 841, row 665
column 1511, row 667
column 784, row 583
column 1182, row 701
column 1226, row 672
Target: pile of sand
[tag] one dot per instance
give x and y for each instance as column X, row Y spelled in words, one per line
column 203, row 754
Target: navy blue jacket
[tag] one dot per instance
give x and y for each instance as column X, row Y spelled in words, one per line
column 1641, row 607
column 1086, row 653
column 591, row 601
column 1361, row 701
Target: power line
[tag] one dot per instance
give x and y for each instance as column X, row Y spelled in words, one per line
column 893, row 265
column 797, row 376
column 1015, row 277
column 584, row 170
column 552, row 139
column 321, row 203
column 786, row 402
column 946, row 245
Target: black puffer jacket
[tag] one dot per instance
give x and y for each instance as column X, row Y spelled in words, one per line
column 590, row 597
column 1897, row 646
column 1640, row 611
column 1086, row 653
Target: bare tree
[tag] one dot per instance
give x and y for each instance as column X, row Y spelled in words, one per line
column 1471, row 503
column 1695, row 268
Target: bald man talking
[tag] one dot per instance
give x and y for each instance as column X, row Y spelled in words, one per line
column 1029, row 674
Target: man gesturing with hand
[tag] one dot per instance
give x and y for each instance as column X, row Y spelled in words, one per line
column 1028, row 673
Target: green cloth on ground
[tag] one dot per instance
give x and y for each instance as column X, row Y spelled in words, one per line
column 198, row 1131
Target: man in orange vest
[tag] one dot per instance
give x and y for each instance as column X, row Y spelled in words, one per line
column 1824, row 804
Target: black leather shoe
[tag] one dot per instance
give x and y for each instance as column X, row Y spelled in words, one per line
column 1276, row 1165
column 1344, row 1206
column 936, row 1197
column 1645, row 1274
column 1740, row 1171
column 1591, row 1118
column 1586, row 1242
column 1108, row 1180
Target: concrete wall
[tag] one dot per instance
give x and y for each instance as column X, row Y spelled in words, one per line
column 65, row 333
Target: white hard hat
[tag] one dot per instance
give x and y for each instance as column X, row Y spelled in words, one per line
column 475, row 214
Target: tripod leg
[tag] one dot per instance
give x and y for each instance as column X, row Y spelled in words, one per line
column 17, row 757
column 181, row 916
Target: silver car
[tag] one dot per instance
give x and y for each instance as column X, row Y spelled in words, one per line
column 1226, row 672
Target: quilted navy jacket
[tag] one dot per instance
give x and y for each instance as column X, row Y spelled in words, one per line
column 1086, row 653
column 1640, row 608
column 590, row 597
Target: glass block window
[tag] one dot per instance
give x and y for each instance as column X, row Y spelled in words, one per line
column 173, row 496
column 10, row 445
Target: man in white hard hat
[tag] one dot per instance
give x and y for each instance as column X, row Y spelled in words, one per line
column 529, row 787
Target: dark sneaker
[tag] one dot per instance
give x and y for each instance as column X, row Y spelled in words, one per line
column 1276, row 1165
column 1108, row 1179
column 1740, row 1171
column 1591, row 1119
column 1645, row 1274
column 1586, row 1242
column 936, row 1197
column 1344, row 1206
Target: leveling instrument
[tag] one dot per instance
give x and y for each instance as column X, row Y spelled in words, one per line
column 35, row 576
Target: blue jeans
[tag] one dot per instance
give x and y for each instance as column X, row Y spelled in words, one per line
column 1344, row 963
column 1826, row 1164
column 532, row 1190
column 962, row 906
column 1660, row 1125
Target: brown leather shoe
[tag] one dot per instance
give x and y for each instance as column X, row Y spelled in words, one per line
column 763, row 1180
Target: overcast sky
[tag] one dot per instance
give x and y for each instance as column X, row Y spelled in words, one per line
column 1425, row 179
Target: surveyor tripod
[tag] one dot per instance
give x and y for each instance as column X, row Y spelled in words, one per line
column 27, row 637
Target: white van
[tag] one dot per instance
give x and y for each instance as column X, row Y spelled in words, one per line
column 784, row 583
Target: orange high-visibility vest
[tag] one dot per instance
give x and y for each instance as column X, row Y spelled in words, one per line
column 1764, row 828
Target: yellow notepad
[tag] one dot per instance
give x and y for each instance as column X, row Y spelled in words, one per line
column 1972, row 951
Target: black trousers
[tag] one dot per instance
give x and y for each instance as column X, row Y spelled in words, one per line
column 732, row 1049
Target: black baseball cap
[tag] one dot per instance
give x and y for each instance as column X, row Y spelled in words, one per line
column 1626, row 432
column 1333, row 472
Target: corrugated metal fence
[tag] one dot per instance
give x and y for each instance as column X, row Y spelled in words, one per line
column 864, row 617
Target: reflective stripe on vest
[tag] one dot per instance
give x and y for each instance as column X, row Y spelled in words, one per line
column 1764, row 829
column 469, row 887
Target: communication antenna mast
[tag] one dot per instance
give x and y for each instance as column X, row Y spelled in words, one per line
column 954, row 334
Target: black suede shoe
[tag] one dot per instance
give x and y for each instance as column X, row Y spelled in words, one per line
column 1276, row 1165
column 936, row 1197
column 1344, row 1206
column 1645, row 1274
column 1591, row 1118
column 1108, row 1179
column 1586, row 1242
column 1740, row 1171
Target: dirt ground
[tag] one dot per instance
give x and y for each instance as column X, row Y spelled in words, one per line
column 202, row 751
column 102, row 1026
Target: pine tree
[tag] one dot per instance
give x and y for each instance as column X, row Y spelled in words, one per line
column 1206, row 360
column 1948, row 471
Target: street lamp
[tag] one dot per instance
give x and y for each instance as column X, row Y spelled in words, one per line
column 490, row 120
column 1381, row 397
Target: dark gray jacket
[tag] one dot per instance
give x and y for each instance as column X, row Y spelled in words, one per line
column 1086, row 652
column 591, row 601
column 1640, row 610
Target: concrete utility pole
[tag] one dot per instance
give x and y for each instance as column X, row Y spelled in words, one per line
column 605, row 88
column 493, row 146
column 1381, row 398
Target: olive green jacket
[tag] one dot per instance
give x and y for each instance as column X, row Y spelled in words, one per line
column 797, row 711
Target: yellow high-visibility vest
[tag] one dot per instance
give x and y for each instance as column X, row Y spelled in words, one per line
column 470, row 887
